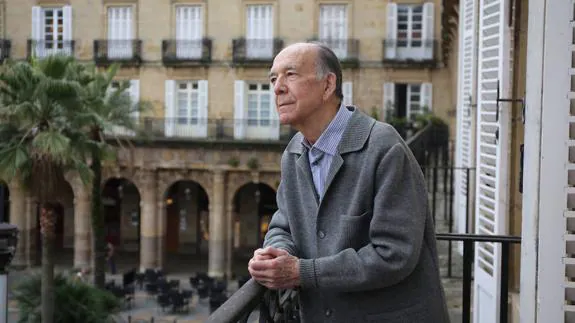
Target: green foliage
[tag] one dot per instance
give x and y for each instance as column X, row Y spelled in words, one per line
column 233, row 161
column 75, row 301
column 253, row 163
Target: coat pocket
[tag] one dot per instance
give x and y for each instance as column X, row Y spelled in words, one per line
column 356, row 230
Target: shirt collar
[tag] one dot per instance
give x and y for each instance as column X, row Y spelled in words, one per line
column 329, row 139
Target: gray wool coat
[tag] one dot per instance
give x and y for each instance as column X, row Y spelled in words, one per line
column 367, row 250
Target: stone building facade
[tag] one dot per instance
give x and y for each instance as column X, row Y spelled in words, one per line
column 205, row 183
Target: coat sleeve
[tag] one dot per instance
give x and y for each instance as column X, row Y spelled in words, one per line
column 279, row 233
column 396, row 232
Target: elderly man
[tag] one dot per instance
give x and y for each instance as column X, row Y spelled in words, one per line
column 353, row 231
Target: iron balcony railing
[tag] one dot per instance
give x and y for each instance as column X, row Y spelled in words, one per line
column 5, row 47
column 186, row 52
column 255, row 51
column 220, row 129
column 41, row 47
column 127, row 52
column 347, row 50
column 410, row 53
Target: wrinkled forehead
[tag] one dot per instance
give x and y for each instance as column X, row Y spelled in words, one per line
column 299, row 58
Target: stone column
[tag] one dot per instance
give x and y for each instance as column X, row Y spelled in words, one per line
column 82, row 224
column 161, row 217
column 148, row 221
column 217, row 243
column 18, row 218
column 230, row 240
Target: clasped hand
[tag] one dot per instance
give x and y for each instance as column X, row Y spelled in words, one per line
column 274, row 268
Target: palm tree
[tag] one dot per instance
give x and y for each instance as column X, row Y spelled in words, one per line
column 39, row 142
column 105, row 114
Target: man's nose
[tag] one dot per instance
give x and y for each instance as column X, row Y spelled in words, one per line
column 279, row 86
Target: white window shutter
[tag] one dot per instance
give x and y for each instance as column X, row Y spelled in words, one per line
column 68, row 23
column 275, row 122
column 388, row 99
column 465, row 139
column 428, row 29
column 203, row 108
column 170, row 108
column 391, row 33
column 36, row 23
column 239, row 110
column 135, row 96
column 347, row 89
column 491, row 187
column 426, row 97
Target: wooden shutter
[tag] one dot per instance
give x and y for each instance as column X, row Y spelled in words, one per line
column 259, row 31
column 492, row 154
column 465, row 142
column 391, row 32
column 388, row 100
column 189, row 31
column 347, row 88
column 170, row 108
column 426, row 97
column 239, row 110
column 428, row 29
column 135, row 95
column 67, row 32
column 37, row 33
column 203, row 108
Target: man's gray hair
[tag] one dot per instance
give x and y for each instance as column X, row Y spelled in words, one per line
column 327, row 62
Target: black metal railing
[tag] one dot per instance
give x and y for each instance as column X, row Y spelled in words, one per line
column 41, row 48
column 5, row 47
column 347, row 50
column 185, row 52
column 207, row 129
column 255, row 51
column 469, row 241
column 127, row 52
column 421, row 53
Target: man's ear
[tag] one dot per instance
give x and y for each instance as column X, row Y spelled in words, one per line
column 329, row 86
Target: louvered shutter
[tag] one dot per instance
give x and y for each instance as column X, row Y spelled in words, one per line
column 347, row 89
column 202, row 109
column 135, row 96
column 259, row 31
column 120, row 34
column 170, row 108
column 428, row 29
column 391, row 32
column 492, row 155
column 37, row 34
column 67, row 30
column 388, row 100
column 465, row 139
column 240, row 121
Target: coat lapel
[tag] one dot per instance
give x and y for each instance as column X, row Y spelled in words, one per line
column 354, row 138
column 304, row 171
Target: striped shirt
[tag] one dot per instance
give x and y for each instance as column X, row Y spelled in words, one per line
column 322, row 152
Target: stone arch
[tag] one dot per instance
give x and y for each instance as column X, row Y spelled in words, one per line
column 253, row 206
column 186, row 218
column 168, row 177
column 121, row 206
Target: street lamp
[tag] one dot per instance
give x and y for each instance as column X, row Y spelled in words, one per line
column 8, row 242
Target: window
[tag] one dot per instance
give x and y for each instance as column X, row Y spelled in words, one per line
column 407, row 100
column 120, row 36
column 259, row 31
column 52, row 30
column 187, row 103
column 189, row 31
column 259, row 105
column 333, row 27
column 409, row 26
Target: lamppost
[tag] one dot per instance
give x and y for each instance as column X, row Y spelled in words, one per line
column 8, row 242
